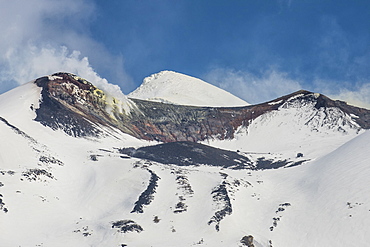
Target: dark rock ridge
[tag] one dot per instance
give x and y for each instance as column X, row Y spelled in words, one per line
column 148, row 195
column 127, row 226
column 79, row 108
column 221, row 197
column 185, row 153
column 190, row 154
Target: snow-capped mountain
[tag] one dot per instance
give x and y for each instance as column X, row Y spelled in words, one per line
column 176, row 88
column 79, row 167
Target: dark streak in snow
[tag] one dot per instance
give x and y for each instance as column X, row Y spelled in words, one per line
column 148, row 195
column 221, row 196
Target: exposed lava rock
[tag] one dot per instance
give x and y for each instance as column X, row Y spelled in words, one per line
column 148, row 195
column 247, row 241
column 221, row 197
column 37, row 174
column 196, row 154
column 127, row 226
column 191, row 153
column 50, row 160
column 2, row 205
column 262, row 163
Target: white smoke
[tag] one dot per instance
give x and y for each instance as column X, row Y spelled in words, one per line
column 41, row 37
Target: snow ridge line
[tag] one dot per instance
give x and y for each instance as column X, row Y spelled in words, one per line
column 18, row 131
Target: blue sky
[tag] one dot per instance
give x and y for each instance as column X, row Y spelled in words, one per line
column 256, row 49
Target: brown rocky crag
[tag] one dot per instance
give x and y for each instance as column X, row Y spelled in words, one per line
column 79, row 108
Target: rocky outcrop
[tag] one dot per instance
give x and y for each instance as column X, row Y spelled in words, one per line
column 222, row 201
column 247, row 241
column 147, row 196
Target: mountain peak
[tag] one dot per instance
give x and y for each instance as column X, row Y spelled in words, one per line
column 176, row 88
column 79, row 108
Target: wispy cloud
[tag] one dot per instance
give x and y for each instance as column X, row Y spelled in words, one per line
column 273, row 83
column 359, row 96
column 253, row 89
column 41, row 37
column 284, row 4
column 342, row 54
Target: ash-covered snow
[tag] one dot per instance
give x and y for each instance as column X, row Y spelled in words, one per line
column 175, row 88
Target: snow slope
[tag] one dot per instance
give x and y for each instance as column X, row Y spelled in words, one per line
column 58, row 190
column 296, row 127
column 328, row 199
column 336, row 189
column 175, row 88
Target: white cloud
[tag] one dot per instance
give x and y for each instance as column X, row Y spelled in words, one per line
column 273, row 84
column 40, row 21
column 359, row 97
column 253, row 89
column 41, row 37
column 354, row 93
